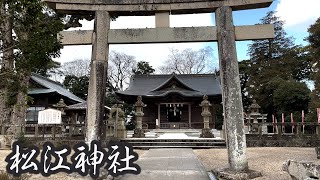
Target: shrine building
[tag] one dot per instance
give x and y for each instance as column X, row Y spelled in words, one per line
column 173, row 101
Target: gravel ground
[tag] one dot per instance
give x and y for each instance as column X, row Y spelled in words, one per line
column 267, row 160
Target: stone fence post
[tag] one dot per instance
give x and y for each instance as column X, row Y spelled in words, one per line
column 298, row 131
column 318, row 130
column 3, row 130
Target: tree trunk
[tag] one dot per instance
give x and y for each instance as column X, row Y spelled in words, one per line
column 6, row 33
column 19, row 110
column 6, row 66
column 4, row 110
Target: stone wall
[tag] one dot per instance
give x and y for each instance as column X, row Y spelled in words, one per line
column 284, row 140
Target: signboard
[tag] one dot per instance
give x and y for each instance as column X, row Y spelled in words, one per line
column 49, row 116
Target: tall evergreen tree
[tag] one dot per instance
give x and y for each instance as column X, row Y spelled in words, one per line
column 314, row 54
column 272, row 61
column 264, row 50
column 28, row 34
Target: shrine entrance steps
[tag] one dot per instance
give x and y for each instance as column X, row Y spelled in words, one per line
column 175, row 139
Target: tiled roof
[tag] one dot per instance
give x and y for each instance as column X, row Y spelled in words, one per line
column 50, row 86
column 81, row 106
column 194, row 85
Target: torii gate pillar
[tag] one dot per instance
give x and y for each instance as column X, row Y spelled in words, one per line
column 231, row 91
column 98, row 76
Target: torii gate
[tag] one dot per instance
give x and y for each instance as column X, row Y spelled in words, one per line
column 225, row 33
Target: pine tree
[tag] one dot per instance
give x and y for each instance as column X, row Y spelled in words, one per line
column 143, row 67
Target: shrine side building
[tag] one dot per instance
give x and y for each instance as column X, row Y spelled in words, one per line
column 173, row 101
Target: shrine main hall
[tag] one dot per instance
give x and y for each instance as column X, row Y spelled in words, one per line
column 173, row 101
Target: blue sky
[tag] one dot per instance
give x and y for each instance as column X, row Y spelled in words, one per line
column 299, row 15
column 251, row 17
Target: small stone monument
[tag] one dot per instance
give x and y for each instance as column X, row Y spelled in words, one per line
column 139, row 132
column 116, row 117
column 206, row 131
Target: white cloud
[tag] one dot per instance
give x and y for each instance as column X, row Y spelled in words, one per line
column 297, row 13
column 155, row 54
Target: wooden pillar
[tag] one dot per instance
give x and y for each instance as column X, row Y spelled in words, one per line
column 214, row 115
column 70, row 130
column 43, row 130
column 36, row 130
column 53, row 131
column 76, row 128
column 231, row 91
column 189, row 111
column 97, row 83
column 159, row 116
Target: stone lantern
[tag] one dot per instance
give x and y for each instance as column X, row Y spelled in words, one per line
column 139, row 132
column 254, row 108
column 254, row 113
column 60, row 106
column 206, row 131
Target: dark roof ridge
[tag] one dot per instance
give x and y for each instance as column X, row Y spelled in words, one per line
column 178, row 75
column 148, row 85
column 172, row 77
column 47, row 79
column 54, row 87
column 203, row 74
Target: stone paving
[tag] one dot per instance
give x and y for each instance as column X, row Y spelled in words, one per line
column 169, row 164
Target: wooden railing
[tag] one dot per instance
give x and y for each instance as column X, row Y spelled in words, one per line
column 177, row 125
column 296, row 128
column 37, row 130
column 174, row 125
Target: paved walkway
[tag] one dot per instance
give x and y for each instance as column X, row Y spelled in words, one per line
column 169, row 164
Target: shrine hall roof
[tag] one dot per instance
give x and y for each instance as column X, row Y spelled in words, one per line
column 188, row 85
column 47, row 86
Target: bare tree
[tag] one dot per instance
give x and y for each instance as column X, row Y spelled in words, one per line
column 188, row 61
column 78, row 68
column 120, row 69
